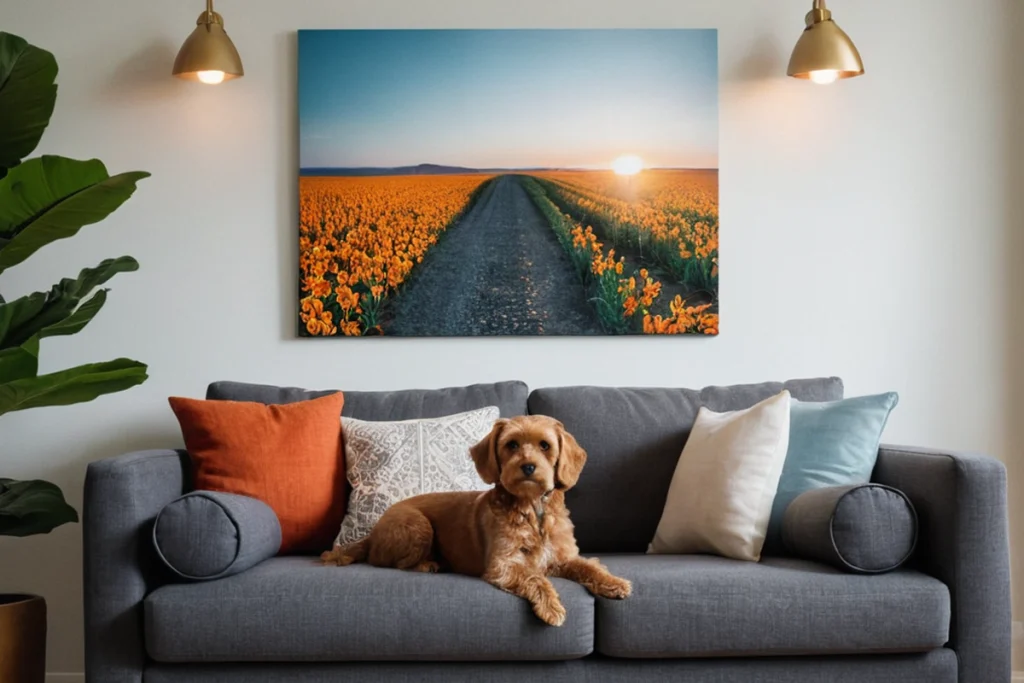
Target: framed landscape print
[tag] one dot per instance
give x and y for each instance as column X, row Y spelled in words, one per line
column 508, row 182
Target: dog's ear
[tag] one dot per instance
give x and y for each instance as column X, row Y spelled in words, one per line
column 571, row 458
column 485, row 454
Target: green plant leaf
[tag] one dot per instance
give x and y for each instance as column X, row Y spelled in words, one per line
column 20, row 362
column 54, row 313
column 27, row 98
column 32, row 507
column 36, row 185
column 79, row 319
column 36, row 208
column 75, row 385
column 15, row 313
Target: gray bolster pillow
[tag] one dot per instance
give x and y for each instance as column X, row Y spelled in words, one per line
column 209, row 535
column 865, row 528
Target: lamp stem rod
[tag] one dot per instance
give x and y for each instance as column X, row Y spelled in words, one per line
column 818, row 4
column 209, row 9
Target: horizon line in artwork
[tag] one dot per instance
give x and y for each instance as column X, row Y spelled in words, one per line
column 631, row 168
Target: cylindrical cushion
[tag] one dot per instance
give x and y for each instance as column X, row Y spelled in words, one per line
column 209, row 535
column 865, row 528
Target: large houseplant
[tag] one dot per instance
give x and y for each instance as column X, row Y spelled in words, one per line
column 44, row 199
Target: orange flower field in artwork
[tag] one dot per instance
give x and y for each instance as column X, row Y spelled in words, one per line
column 360, row 238
column 645, row 249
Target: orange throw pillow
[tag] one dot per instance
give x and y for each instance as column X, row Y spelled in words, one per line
column 289, row 456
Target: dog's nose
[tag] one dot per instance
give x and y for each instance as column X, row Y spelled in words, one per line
column 528, row 469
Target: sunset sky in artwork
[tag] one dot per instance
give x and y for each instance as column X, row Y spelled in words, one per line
column 508, row 98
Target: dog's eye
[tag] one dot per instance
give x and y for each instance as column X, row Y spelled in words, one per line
column 512, row 445
column 544, row 445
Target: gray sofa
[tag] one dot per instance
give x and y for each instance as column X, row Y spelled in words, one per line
column 943, row 618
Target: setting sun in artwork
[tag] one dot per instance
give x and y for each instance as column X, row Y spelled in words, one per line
column 628, row 164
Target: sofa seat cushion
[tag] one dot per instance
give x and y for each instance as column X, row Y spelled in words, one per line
column 292, row 609
column 705, row 606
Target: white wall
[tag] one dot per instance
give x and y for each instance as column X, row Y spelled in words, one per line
column 866, row 228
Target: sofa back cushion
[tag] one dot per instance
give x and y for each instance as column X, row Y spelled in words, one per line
column 633, row 439
column 409, row 404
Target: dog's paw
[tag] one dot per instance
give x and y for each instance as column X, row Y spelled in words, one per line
column 616, row 589
column 427, row 567
column 551, row 612
column 335, row 558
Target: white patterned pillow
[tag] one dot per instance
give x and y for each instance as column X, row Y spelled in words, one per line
column 387, row 462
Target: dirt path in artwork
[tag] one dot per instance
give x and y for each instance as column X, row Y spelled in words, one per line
column 499, row 271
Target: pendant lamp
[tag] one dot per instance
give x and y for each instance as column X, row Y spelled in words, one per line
column 824, row 53
column 208, row 55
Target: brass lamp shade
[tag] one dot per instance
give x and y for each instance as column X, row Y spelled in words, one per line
column 824, row 52
column 208, row 55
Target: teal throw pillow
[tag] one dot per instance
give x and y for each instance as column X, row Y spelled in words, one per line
column 830, row 444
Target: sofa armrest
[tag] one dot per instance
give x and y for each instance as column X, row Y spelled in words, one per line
column 963, row 541
column 122, row 498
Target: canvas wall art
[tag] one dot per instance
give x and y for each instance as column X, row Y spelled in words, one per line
column 508, row 182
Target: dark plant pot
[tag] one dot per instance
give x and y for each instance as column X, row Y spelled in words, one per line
column 22, row 639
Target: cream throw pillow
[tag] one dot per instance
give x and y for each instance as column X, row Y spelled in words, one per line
column 721, row 495
column 387, row 462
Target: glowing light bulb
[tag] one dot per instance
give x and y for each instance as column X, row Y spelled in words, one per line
column 210, row 77
column 825, row 77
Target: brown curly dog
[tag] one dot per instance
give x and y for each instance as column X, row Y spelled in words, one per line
column 514, row 536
